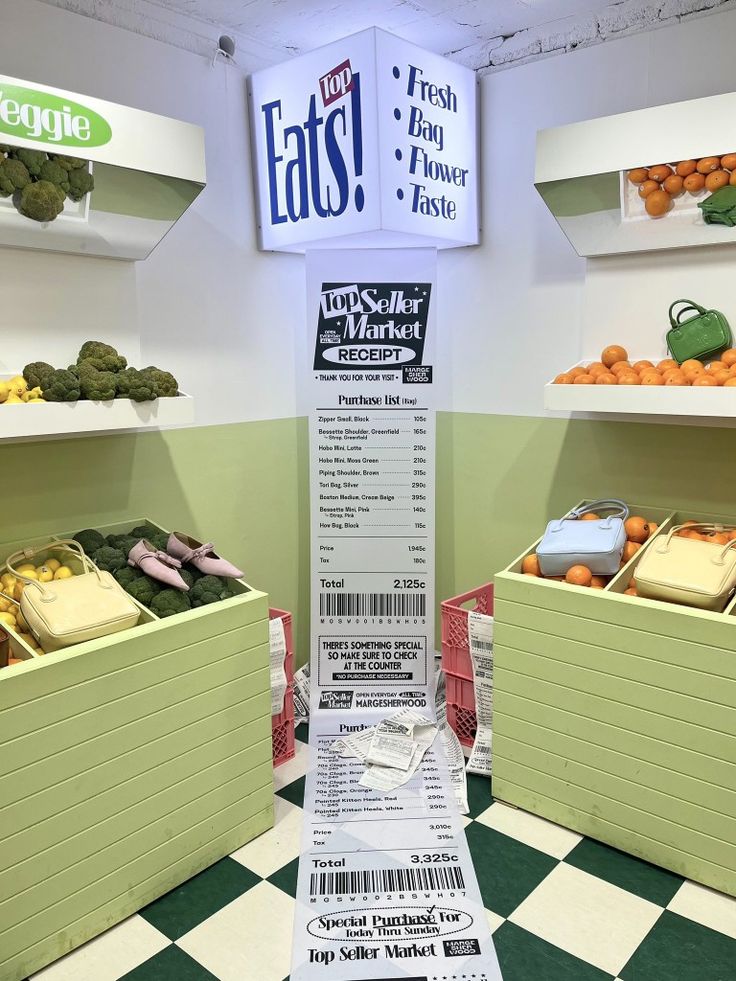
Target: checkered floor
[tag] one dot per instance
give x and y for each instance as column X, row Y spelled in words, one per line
column 561, row 907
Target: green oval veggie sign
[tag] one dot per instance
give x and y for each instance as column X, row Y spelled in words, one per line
column 34, row 115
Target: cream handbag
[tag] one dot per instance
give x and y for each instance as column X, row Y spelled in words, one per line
column 69, row 611
column 688, row 571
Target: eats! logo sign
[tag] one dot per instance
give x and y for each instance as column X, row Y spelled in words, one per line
column 371, row 325
column 30, row 114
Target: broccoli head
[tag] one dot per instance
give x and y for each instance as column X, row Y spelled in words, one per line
column 68, row 163
column 165, row 384
column 127, row 575
column 81, row 182
column 54, row 174
column 99, row 386
column 61, row 386
column 209, row 589
column 169, row 602
column 144, row 589
column 101, row 356
column 33, row 159
column 41, row 201
column 187, row 576
column 123, row 542
column 13, row 176
column 36, row 373
column 90, row 540
column 135, row 385
column 109, row 559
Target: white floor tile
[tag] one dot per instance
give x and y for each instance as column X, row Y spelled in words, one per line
column 293, row 769
column 248, row 938
column 494, row 920
column 532, row 830
column 587, row 917
column 274, row 849
column 705, row 906
column 109, row 956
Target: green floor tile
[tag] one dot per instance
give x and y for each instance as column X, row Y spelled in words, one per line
column 677, row 949
column 480, row 796
column 644, row 880
column 524, row 957
column 294, row 792
column 508, row 870
column 185, row 907
column 171, row 964
column 285, row 878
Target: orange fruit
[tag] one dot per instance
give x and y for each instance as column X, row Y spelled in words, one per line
column 686, row 167
column 620, row 366
column 677, row 378
column 637, row 529
column 648, row 187
column 530, row 565
column 657, row 204
column 630, row 592
column 660, row 173
column 705, row 381
column 729, row 161
column 730, row 383
column 639, row 366
column 651, row 378
column 577, row 370
column 694, row 183
column 722, row 376
column 708, row 164
column 692, row 364
column 590, row 516
column 564, row 379
column 598, row 582
column 731, row 535
column 717, row 180
column 667, row 364
column 732, row 181
column 717, row 538
column 628, row 378
column 630, row 550
column 612, row 354
column 694, row 535
column 579, row 575
column 729, row 357
column 584, row 380
column 716, row 366
column 606, row 378
column 652, row 527
column 674, row 185
column 639, row 174
column 595, row 368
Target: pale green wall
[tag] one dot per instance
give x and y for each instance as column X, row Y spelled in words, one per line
column 499, row 479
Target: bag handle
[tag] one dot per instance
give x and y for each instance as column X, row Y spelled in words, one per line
column 690, row 305
column 707, row 526
column 606, row 504
column 66, row 543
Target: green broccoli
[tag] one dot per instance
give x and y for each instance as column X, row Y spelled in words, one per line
column 99, row 386
column 209, row 589
column 68, row 163
column 54, row 174
column 36, row 373
column 133, row 384
column 109, row 559
column 187, row 576
column 169, row 602
column 14, row 176
column 61, row 386
column 81, row 182
column 90, row 540
column 102, row 356
column 192, row 571
column 4, row 148
column 33, row 159
column 165, row 384
column 128, row 575
column 144, row 589
column 41, row 201
column 123, row 542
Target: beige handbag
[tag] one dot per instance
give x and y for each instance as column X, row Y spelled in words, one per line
column 688, row 571
column 69, row 611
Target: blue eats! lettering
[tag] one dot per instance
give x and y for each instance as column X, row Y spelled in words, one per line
column 299, row 185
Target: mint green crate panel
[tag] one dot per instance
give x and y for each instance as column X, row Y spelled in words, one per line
column 616, row 717
column 129, row 764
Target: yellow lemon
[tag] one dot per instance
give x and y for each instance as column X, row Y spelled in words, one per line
column 22, row 624
column 52, row 564
column 8, row 619
column 45, row 574
column 8, row 580
column 18, row 385
column 63, row 572
column 31, row 573
column 27, row 567
column 4, row 390
column 18, row 589
column 13, row 399
column 5, row 605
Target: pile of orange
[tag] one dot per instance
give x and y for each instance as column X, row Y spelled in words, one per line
column 660, row 185
column 615, row 368
column 638, row 530
column 714, row 537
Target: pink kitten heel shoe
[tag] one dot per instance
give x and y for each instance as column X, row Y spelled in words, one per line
column 156, row 564
column 202, row 557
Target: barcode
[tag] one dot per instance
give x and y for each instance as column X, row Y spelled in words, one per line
column 367, row 881
column 372, row 604
column 483, row 645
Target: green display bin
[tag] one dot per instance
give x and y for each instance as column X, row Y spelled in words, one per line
column 129, row 764
column 615, row 716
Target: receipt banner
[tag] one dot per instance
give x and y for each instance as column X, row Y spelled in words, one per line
column 386, row 886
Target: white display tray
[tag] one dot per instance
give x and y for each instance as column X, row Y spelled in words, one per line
column 78, row 418
column 654, row 400
column 685, row 208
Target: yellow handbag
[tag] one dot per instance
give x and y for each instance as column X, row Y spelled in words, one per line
column 69, row 611
column 688, row 571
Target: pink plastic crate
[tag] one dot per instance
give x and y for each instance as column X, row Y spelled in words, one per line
column 287, row 712
column 455, row 642
column 463, row 722
column 283, row 742
column 273, row 614
column 460, row 692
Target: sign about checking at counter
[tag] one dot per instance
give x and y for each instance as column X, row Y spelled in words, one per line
column 367, row 142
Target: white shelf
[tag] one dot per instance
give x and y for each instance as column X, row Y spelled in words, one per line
column 28, row 421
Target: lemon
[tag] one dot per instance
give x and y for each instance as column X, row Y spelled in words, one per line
column 18, row 385
column 8, row 619
column 5, row 605
column 23, row 569
column 31, row 573
column 18, row 589
column 45, row 574
column 4, row 390
column 22, row 624
column 52, row 564
column 13, row 399
column 63, row 572
column 8, row 580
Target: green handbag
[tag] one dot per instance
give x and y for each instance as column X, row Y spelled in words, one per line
column 699, row 336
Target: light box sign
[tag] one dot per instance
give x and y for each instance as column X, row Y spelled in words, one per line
column 367, row 142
